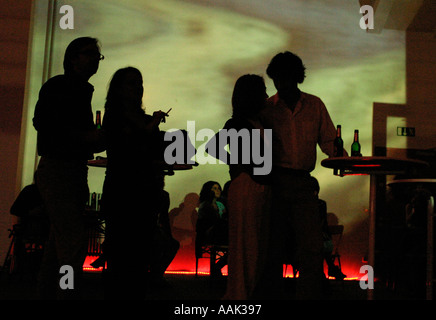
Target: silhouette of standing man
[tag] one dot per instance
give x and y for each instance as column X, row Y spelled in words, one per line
column 67, row 138
column 300, row 122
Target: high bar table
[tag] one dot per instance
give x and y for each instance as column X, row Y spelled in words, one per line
column 372, row 166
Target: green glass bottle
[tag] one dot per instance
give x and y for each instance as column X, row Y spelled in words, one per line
column 98, row 119
column 338, row 143
column 355, row 147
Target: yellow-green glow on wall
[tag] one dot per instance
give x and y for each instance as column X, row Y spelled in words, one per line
column 191, row 53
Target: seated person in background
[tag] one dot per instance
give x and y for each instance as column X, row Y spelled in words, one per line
column 212, row 227
column 29, row 207
column 32, row 227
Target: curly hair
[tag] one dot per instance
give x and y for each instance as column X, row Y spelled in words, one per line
column 286, row 65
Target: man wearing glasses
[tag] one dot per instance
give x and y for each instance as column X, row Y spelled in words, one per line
column 67, row 138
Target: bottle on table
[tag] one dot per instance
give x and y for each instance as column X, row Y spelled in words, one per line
column 355, row 146
column 98, row 119
column 338, row 143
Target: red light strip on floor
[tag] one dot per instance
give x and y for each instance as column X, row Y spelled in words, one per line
column 200, row 273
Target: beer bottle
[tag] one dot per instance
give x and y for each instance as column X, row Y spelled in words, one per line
column 98, row 119
column 338, row 143
column 94, row 201
column 355, row 147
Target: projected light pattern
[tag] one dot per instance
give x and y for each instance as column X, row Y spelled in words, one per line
column 191, row 53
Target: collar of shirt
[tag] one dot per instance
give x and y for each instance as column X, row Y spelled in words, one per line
column 276, row 101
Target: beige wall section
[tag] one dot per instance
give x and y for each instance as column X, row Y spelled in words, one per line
column 15, row 17
column 420, row 108
column 421, row 68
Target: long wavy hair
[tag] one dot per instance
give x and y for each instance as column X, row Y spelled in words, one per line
column 206, row 193
column 115, row 97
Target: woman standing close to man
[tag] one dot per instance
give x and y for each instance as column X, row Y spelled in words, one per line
column 248, row 195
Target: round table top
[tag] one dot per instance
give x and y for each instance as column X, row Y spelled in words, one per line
column 99, row 162
column 420, row 181
column 373, row 165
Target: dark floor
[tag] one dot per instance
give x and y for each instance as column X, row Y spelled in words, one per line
column 188, row 287
column 183, row 294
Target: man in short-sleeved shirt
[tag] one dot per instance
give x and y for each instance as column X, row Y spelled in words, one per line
column 296, row 134
column 299, row 122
